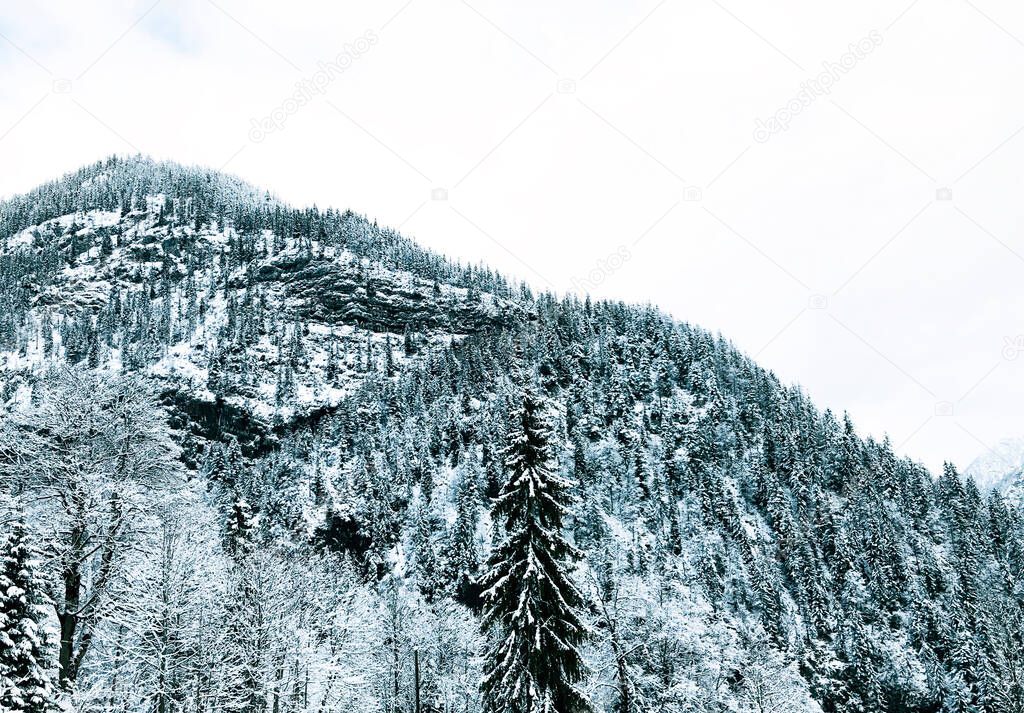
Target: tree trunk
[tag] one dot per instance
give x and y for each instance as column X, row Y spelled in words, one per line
column 161, row 685
column 67, row 613
column 115, row 668
column 416, row 666
column 68, row 623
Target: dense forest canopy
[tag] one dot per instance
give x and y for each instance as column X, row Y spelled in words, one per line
column 256, row 458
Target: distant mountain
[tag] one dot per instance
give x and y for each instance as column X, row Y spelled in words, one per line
column 335, row 413
column 1001, row 468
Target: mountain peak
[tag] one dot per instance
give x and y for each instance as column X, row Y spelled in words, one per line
column 347, row 409
column 120, row 182
column 998, row 467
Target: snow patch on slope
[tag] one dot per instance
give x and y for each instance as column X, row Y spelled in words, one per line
column 1000, row 467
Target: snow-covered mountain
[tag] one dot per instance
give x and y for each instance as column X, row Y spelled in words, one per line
column 1001, row 468
column 257, row 321
column 262, row 449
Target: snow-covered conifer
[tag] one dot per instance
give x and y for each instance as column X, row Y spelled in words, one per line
column 533, row 662
column 26, row 683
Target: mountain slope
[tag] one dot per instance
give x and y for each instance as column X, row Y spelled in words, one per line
column 341, row 401
column 1001, row 469
column 302, row 318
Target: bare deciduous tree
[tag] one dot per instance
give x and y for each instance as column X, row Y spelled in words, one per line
column 85, row 459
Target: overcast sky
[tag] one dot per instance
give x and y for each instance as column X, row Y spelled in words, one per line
column 835, row 187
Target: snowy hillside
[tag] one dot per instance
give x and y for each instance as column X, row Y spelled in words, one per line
column 259, row 459
column 1001, row 468
column 290, row 331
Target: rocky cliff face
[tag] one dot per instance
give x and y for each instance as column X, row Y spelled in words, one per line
column 295, row 323
column 340, row 289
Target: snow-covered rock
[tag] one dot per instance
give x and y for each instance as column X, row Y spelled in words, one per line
column 1000, row 468
column 346, row 316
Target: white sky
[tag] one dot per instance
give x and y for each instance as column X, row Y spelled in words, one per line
column 570, row 134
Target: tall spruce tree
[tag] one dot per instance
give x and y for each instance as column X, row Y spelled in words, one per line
column 533, row 661
column 26, row 685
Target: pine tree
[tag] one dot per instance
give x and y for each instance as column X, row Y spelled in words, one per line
column 531, row 606
column 426, row 565
column 47, row 329
column 238, row 541
column 93, row 356
column 25, row 682
column 106, row 245
column 462, row 557
column 389, row 356
column 408, row 344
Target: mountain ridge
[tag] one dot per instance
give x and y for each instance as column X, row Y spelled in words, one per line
column 1001, row 468
column 338, row 460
